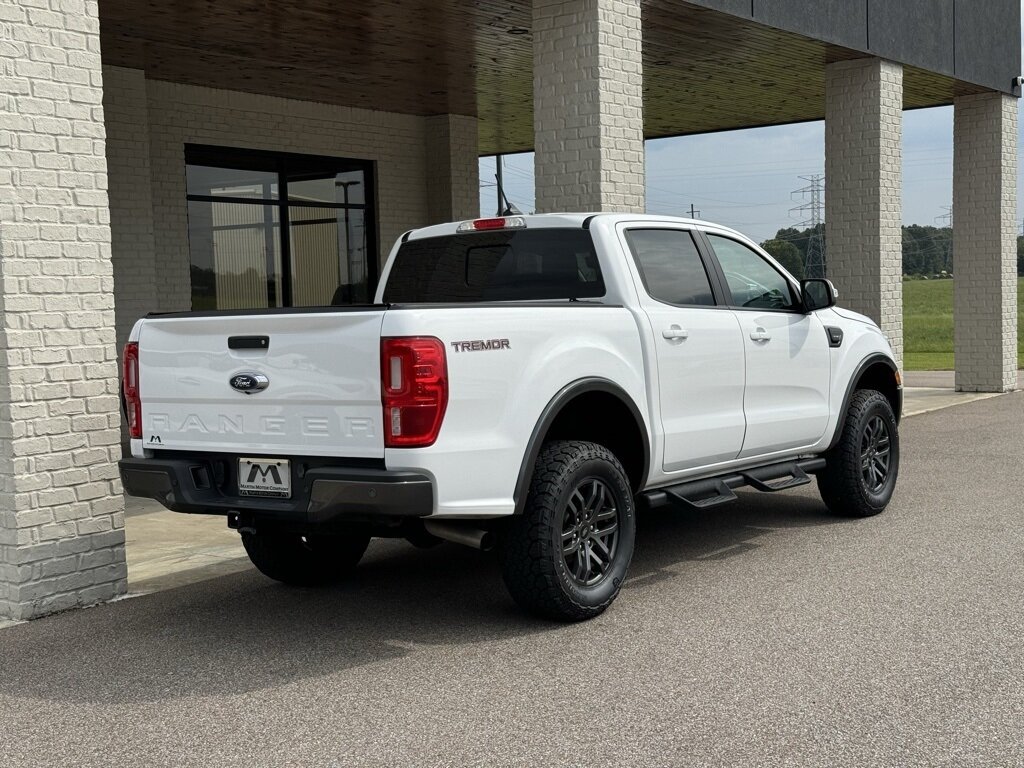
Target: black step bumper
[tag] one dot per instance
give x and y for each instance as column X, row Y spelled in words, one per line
column 324, row 494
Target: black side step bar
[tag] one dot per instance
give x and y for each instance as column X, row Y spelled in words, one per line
column 714, row 491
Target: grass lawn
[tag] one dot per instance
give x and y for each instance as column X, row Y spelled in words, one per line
column 928, row 325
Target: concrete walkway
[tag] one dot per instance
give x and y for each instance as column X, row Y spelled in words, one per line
column 167, row 550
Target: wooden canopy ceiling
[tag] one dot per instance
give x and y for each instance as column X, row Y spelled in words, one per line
column 703, row 71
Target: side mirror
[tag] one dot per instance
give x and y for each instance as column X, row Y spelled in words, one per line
column 818, row 293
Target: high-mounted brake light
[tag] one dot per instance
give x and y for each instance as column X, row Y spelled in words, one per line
column 130, row 382
column 505, row 222
column 414, row 390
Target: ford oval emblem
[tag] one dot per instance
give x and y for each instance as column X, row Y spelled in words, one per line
column 249, row 382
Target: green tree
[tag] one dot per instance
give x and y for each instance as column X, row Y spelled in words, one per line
column 787, row 254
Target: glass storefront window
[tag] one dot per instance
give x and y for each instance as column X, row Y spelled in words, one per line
column 273, row 230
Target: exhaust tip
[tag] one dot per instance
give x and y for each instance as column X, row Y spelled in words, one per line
column 460, row 533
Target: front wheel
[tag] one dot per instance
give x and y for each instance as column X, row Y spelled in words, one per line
column 861, row 469
column 304, row 560
column 566, row 556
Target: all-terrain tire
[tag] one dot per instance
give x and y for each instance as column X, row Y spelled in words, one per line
column 576, row 490
column 304, row 561
column 853, row 483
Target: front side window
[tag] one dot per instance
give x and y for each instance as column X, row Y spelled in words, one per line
column 670, row 266
column 278, row 230
column 753, row 282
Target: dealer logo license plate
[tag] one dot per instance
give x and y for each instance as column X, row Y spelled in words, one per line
column 265, row 477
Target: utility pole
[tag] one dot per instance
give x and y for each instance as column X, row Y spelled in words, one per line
column 694, row 213
column 499, row 163
column 946, row 242
column 813, row 193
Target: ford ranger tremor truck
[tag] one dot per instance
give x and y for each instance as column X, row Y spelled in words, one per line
column 524, row 383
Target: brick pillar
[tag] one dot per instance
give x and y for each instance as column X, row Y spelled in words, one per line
column 133, row 253
column 985, row 242
column 588, row 114
column 863, row 190
column 453, row 168
column 61, row 509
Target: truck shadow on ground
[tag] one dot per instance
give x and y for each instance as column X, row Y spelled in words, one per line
column 243, row 633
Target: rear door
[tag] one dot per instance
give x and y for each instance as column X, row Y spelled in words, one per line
column 321, row 370
column 698, row 349
column 788, row 362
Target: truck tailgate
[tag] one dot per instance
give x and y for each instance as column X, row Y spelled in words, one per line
column 323, row 383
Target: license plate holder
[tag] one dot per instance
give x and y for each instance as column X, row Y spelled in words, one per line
column 265, row 477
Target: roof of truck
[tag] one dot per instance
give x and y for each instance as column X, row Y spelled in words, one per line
column 562, row 220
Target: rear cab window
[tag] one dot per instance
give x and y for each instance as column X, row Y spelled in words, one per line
column 503, row 265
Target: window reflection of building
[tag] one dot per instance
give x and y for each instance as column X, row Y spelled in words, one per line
column 270, row 230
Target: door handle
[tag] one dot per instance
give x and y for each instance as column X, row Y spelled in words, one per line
column 760, row 334
column 675, row 333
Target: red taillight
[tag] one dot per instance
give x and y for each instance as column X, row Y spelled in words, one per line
column 482, row 225
column 130, row 379
column 414, row 389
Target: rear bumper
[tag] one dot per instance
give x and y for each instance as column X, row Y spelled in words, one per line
column 320, row 495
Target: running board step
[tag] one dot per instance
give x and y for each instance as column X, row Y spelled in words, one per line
column 715, row 491
column 756, row 479
column 704, row 495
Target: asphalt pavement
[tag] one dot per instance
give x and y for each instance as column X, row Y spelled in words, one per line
column 764, row 633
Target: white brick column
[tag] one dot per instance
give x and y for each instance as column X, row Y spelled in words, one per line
column 131, row 197
column 61, row 509
column 588, row 115
column 863, row 190
column 453, row 168
column 985, row 242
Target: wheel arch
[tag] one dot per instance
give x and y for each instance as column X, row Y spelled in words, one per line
column 877, row 372
column 621, row 429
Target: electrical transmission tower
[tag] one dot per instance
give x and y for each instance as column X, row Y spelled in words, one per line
column 813, row 209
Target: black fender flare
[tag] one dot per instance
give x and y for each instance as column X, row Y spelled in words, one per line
column 547, row 417
column 864, row 364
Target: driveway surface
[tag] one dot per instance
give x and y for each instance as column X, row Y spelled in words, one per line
column 765, row 633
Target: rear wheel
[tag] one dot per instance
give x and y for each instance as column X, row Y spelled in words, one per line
column 304, row 560
column 861, row 470
column 566, row 557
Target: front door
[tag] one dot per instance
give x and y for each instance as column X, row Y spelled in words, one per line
column 697, row 347
column 786, row 399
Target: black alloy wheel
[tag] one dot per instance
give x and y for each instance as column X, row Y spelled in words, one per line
column 590, row 532
column 875, row 452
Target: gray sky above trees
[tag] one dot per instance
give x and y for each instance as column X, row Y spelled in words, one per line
column 744, row 179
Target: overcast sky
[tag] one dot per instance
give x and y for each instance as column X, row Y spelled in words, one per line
column 744, row 179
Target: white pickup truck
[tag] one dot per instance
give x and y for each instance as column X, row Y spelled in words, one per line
column 524, row 383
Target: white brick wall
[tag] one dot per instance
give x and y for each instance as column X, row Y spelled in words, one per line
column 61, row 510
column 863, row 190
column 452, row 168
column 985, row 242
column 588, row 105
column 131, row 196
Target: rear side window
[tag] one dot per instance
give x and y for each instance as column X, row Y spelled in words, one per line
column 520, row 265
column 670, row 266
